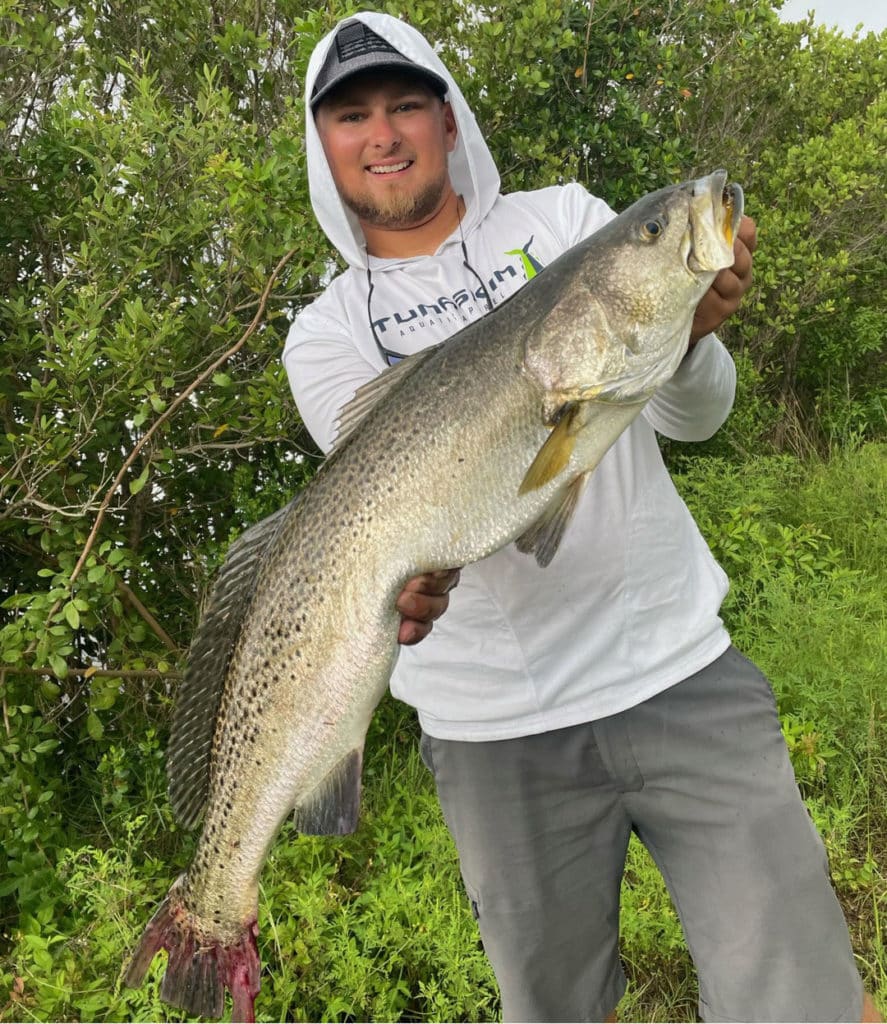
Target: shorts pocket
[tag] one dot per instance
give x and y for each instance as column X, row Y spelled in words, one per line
column 473, row 901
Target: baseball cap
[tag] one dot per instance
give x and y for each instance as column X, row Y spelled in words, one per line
column 357, row 48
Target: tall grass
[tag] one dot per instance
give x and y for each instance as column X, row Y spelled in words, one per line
column 374, row 926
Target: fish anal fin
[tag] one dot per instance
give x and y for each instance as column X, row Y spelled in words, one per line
column 554, row 455
column 333, row 808
column 543, row 538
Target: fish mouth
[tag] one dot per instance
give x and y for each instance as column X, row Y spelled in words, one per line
column 715, row 213
column 732, row 203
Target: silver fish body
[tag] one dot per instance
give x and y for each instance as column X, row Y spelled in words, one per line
column 462, row 449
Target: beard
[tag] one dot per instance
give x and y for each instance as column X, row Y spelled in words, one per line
column 399, row 209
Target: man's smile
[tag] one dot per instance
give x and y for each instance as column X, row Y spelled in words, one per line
column 389, row 168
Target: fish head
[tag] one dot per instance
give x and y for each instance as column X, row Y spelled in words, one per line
column 685, row 228
column 624, row 314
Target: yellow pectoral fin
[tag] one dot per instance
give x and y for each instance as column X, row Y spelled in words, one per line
column 554, row 455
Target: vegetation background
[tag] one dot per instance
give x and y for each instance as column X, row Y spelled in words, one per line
column 155, row 235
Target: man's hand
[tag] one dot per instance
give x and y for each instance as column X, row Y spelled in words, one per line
column 422, row 600
column 722, row 300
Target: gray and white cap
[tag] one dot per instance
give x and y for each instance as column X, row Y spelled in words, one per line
column 357, row 48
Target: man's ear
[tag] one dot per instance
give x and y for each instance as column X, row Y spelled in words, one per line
column 452, row 132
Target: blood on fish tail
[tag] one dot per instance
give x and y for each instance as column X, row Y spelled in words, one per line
column 200, row 966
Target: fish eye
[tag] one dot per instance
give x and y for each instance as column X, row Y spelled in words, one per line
column 652, row 228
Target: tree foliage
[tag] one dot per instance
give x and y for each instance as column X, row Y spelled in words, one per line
column 155, row 232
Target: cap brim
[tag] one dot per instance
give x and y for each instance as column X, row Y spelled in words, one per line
column 404, row 66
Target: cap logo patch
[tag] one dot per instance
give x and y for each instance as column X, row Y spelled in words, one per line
column 357, row 41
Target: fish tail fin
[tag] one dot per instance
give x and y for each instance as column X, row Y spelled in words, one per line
column 200, row 965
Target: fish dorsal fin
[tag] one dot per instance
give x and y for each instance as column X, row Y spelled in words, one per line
column 544, row 536
column 555, row 453
column 333, row 808
column 368, row 395
column 200, row 692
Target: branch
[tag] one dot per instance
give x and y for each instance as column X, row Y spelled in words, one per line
column 158, row 630
column 89, row 671
column 197, row 449
column 173, row 407
column 56, row 510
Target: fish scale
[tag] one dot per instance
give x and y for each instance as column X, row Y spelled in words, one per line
column 457, row 451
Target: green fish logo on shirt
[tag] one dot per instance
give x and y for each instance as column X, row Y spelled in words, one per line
column 531, row 265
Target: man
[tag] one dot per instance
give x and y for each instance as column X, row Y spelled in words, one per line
column 564, row 708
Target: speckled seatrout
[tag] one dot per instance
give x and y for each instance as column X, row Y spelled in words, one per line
column 459, row 450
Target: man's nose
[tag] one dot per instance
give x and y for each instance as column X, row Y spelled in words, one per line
column 383, row 133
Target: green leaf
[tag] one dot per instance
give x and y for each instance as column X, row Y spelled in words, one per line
column 72, row 615
column 58, row 665
column 105, row 694
column 140, row 481
column 10, row 885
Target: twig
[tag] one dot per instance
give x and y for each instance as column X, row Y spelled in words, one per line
column 587, row 44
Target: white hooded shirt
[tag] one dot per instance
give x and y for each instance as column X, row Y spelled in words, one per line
column 629, row 605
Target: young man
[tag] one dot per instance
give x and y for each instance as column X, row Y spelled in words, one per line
column 564, row 708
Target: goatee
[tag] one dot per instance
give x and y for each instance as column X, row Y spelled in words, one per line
column 399, row 210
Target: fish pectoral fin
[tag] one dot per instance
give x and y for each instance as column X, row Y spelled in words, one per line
column 544, row 536
column 555, row 453
column 333, row 807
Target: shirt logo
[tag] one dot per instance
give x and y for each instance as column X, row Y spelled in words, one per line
column 438, row 305
column 457, row 310
column 531, row 265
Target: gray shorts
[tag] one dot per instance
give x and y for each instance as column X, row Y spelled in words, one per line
column 701, row 774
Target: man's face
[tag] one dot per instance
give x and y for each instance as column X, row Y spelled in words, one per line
column 386, row 137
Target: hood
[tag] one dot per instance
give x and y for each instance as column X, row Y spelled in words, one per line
column 472, row 170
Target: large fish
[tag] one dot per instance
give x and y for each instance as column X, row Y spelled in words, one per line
column 457, row 451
